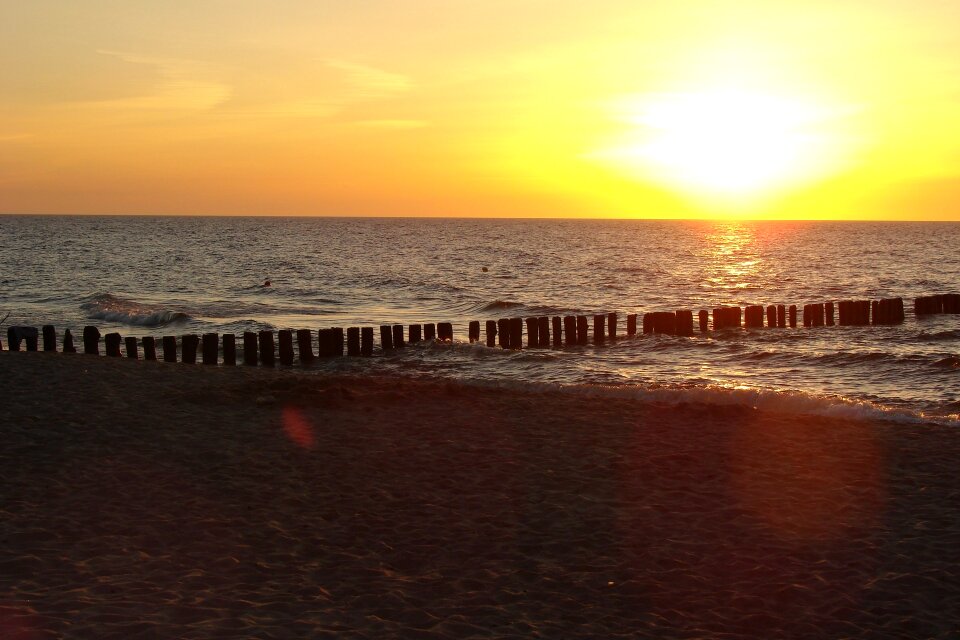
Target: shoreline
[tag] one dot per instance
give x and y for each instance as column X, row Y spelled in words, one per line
column 152, row 500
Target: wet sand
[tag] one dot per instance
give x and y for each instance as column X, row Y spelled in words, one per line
column 148, row 500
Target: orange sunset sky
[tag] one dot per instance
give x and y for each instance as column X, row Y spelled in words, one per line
column 790, row 109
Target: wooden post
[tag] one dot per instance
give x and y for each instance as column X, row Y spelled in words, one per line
column 49, row 338
column 516, row 333
column 533, row 328
column 169, row 344
column 648, row 322
column 130, row 344
column 684, row 322
column 229, row 350
column 491, row 330
column 68, row 342
column 703, row 319
column 875, row 311
column 718, row 319
column 445, row 331
column 598, row 322
column 366, row 341
column 305, row 345
column 631, row 324
column 325, row 342
column 473, row 331
column 828, row 312
column 753, row 316
column 386, row 338
column 951, row 302
column 864, row 314
column 353, row 341
column 781, row 316
column 898, row 316
column 429, row 332
column 211, row 351
column 771, row 316
column 13, row 339
column 398, row 342
column 267, row 355
column 582, row 329
column 285, row 338
column 543, row 332
column 336, row 342
column 557, row 322
column 414, row 333
column 807, row 316
column 30, row 338
column 189, row 344
column 612, row 325
column 149, row 348
column 570, row 330
column 250, row 350
column 793, row 316
column 503, row 329
column 112, row 342
column 91, row 341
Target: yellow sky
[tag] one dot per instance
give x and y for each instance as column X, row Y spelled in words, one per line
column 612, row 108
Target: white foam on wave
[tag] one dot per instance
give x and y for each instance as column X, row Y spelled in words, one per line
column 115, row 309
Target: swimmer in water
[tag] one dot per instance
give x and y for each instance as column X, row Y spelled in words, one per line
column 266, row 283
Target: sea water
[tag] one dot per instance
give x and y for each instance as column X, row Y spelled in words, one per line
column 177, row 275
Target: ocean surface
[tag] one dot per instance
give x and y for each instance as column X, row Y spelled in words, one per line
column 174, row 275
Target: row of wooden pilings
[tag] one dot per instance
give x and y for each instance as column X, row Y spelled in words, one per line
column 508, row 333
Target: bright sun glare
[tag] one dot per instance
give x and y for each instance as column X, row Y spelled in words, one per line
column 725, row 142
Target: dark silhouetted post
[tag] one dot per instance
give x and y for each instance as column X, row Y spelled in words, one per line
column 612, row 325
column 503, row 329
column 753, row 316
column 445, row 331
column 91, row 341
column 149, row 348
column 684, row 322
column 533, row 328
column 557, row 323
column 543, row 332
column 68, row 346
column 13, row 339
column 267, row 355
column 250, row 349
column 570, row 330
column 631, row 324
column 386, row 337
column 781, row 316
column 582, row 329
column 430, row 332
column 793, row 316
column 112, row 342
column 49, row 338
column 366, row 341
column 337, row 341
column 491, row 327
column 211, row 344
column 807, row 316
column 130, row 344
column 353, row 341
column 285, row 338
column 598, row 321
column 169, row 344
column 398, row 342
column 229, row 350
column 828, row 311
column 473, row 331
column 189, row 344
column 305, row 345
column 414, row 333
column 516, row 333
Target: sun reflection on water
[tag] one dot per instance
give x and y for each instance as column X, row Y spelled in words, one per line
column 732, row 257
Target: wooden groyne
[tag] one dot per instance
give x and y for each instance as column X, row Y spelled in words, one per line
column 542, row 332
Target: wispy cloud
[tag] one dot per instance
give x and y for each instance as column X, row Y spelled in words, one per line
column 372, row 82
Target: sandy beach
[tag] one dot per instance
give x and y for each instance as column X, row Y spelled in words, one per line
column 144, row 500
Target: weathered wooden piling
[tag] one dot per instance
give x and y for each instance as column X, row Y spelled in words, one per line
column 386, row 338
column 285, row 340
column 366, row 341
column 250, row 349
column 726, row 317
column 330, row 341
column 415, row 333
column 91, row 340
column 684, row 322
column 13, row 339
column 188, row 346
column 543, row 332
column 430, row 332
column 557, row 323
column 473, row 331
column 582, row 329
column 210, row 348
column 781, row 316
column 631, row 324
column 753, row 316
column 863, row 312
column 703, row 319
column 149, row 348
column 888, row 311
column 793, row 316
column 68, row 346
column 169, row 344
column 570, row 330
column 533, row 330
column 398, row 342
column 267, row 355
column 771, row 316
column 612, row 325
column 598, row 321
column 305, row 345
column 828, row 314
column 491, row 331
column 516, row 333
column 807, row 316
column 445, row 331
column 353, row 341
column 854, row 312
column 818, row 312
column 112, row 342
column 130, row 346
column 229, row 349
column 503, row 331
column 951, row 302
column 662, row 322
column 49, row 337
column 875, row 312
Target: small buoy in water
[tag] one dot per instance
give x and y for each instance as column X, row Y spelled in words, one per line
column 484, row 269
column 266, row 283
